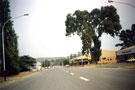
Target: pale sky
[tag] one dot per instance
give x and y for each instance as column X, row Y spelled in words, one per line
column 42, row 33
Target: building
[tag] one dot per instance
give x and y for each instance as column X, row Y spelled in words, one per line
column 125, row 54
column 107, row 56
column 80, row 60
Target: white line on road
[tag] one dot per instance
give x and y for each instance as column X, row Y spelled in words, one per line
column 67, row 71
column 85, row 79
column 72, row 73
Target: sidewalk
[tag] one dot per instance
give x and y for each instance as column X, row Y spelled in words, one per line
column 115, row 65
column 118, row 65
column 15, row 78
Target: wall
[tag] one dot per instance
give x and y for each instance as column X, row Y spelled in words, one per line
column 107, row 56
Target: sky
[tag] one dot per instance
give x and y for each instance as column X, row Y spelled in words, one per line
column 42, row 33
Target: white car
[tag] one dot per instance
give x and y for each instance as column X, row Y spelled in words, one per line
column 131, row 60
column 67, row 65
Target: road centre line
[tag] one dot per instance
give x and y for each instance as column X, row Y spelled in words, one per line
column 85, row 79
column 72, row 73
column 67, row 71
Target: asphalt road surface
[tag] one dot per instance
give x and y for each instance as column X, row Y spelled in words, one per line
column 78, row 78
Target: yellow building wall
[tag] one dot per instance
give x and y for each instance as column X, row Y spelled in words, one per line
column 107, row 56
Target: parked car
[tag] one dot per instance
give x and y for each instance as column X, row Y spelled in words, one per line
column 131, row 60
column 67, row 65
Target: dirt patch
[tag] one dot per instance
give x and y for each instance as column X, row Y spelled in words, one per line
column 15, row 78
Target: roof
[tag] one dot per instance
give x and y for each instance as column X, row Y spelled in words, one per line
column 131, row 47
column 126, row 51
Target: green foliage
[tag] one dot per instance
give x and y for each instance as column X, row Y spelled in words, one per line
column 13, row 66
column 57, row 62
column 91, row 25
column 65, row 62
column 46, row 63
column 86, row 40
column 11, row 43
column 26, row 62
column 61, row 63
column 127, row 37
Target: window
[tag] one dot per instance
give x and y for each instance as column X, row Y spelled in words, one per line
column 104, row 58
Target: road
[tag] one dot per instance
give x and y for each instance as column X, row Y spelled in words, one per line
column 78, row 78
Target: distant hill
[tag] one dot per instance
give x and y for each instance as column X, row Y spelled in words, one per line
column 50, row 58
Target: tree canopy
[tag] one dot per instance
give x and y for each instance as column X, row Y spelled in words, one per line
column 65, row 62
column 46, row 63
column 11, row 43
column 26, row 62
column 91, row 25
column 127, row 37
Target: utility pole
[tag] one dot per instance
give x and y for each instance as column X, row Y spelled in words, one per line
column 3, row 46
column 111, row 1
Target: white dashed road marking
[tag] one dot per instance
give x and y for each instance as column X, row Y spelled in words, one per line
column 85, row 79
column 72, row 73
column 67, row 71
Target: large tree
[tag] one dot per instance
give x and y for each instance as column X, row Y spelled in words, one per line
column 65, row 62
column 11, row 44
column 46, row 63
column 26, row 62
column 127, row 37
column 91, row 25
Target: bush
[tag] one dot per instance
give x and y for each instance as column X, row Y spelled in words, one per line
column 26, row 62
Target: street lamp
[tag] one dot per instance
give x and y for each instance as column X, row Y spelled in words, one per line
column 111, row 1
column 3, row 49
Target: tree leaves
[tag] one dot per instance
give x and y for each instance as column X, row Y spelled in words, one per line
column 91, row 25
column 26, row 62
column 46, row 63
column 10, row 40
column 128, row 37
